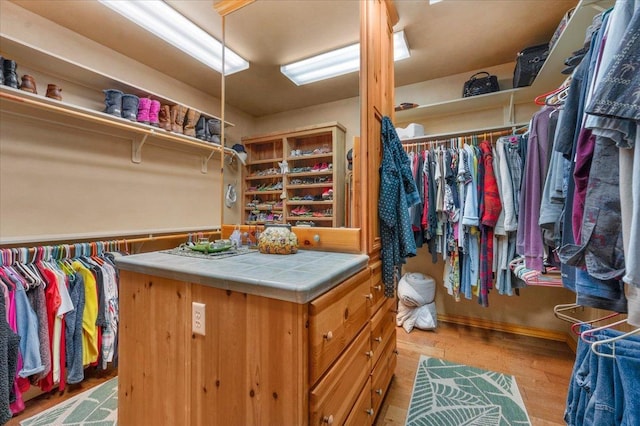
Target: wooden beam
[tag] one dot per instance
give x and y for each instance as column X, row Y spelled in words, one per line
column 225, row 7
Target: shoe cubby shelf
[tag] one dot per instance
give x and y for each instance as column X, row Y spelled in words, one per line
column 26, row 104
column 33, row 59
column 549, row 77
column 310, row 148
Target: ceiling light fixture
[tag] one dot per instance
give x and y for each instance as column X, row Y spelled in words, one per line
column 159, row 18
column 337, row 62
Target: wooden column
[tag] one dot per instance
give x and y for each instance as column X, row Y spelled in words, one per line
column 377, row 18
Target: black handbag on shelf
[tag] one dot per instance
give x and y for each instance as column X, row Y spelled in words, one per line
column 480, row 83
column 528, row 63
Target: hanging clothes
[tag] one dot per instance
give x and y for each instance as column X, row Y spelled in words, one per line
column 398, row 192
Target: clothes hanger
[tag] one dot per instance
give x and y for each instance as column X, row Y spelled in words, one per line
column 585, row 335
column 559, row 310
column 575, row 328
column 612, row 341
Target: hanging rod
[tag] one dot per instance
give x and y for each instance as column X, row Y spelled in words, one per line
column 428, row 140
column 83, row 237
column 489, row 131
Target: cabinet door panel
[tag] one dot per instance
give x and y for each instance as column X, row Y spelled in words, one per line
column 153, row 312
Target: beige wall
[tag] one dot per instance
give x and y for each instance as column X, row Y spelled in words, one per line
column 450, row 88
column 57, row 179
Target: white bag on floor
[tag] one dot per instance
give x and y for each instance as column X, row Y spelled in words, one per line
column 416, row 305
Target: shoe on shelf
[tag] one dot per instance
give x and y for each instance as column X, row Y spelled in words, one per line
column 317, row 167
column 326, row 167
column 327, row 194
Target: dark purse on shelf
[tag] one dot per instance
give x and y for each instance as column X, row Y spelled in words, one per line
column 479, row 84
column 528, row 63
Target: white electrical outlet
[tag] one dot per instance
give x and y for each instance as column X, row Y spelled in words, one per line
column 197, row 318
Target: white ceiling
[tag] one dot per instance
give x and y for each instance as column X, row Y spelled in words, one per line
column 450, row 37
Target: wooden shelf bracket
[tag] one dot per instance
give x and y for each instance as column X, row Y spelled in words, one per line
column 136, row 148
column 205, row 161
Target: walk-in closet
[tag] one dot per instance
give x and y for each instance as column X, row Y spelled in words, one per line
column 353, row 212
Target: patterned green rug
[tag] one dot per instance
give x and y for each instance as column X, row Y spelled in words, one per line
column 97, row 406
column 448, row 394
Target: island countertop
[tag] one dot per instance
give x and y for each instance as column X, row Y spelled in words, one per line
column 298, row 278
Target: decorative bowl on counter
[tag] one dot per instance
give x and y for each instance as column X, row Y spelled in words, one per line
column 204, row 246
column 278, row 239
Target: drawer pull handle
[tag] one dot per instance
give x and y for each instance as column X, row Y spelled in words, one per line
column 378, row 339
column 379, row 391
column 328, row 420
column 369, row 354
column 369, row 296
column 378, row 287
column 370, row 411
column 328, row 336
column 316, row 238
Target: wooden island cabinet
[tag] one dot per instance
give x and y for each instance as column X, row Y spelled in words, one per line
column 304, row 347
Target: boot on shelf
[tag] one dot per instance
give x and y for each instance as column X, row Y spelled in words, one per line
column 53, row 92
column 190, row 120
column 9, row 70
column 177, row 118
column 144, row 104
column 202, row 130
column 113, row 102
column 164, row 117
column 154, row 110
column 29, row 84
column 130, row 106
column 214, row 126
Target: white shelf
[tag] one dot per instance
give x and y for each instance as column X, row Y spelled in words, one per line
column 549, row 77
column 68, row 70
column 26, row 104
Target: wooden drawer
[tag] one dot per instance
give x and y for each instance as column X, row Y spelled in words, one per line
column 362, row 413
column 377, row 288
column 336, row 393
column 383, row 372
column 334, row 320
column 383, row 325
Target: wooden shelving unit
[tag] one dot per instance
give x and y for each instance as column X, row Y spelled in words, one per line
column 315, row 159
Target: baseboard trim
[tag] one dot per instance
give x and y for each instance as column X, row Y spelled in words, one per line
column 508, row 328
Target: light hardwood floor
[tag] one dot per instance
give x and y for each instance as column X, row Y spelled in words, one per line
column 542, row 369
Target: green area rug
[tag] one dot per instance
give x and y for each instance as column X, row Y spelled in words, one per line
column 97, row 406
column 448, row 394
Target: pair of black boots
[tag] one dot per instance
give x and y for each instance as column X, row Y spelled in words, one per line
column 8, row 76
column 208, row 129
column 121, row 104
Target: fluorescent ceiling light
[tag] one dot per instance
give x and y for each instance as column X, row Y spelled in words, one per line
column 337, row 62
column 434, row 1
column 159, row 18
